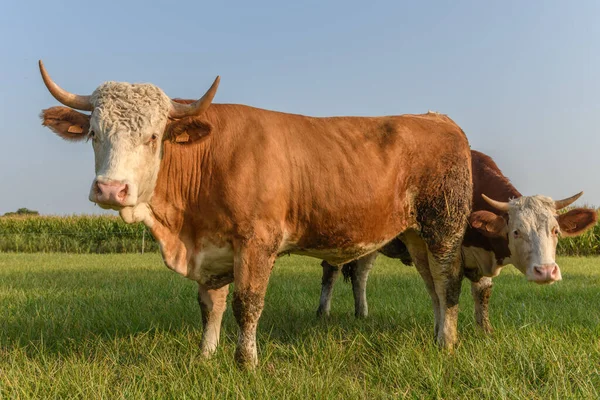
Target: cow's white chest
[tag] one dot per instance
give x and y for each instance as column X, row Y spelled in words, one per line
column 211, row 263
column 484, row 260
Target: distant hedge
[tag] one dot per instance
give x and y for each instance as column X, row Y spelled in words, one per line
column 74, row 234
column 108, row 234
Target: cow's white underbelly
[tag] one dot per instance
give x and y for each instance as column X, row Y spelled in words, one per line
column 334, row 256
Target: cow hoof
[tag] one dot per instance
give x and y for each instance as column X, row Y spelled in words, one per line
column 246, row 358
column 246, row 362
column 485, row 330
column 207, row 354
column 322, row 313
column 446, row 344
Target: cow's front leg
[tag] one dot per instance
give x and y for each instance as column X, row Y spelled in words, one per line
column 212, row 306
column 330, row 275
column 252, row 268
column 481, row 292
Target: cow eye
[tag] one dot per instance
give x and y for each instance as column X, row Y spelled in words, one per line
column 92, row 134
column 516, row 234
column 555, row 231
column 152, row 139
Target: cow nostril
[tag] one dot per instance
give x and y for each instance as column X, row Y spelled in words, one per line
column 123, row 193
column 97, row 188
column 538, row 270
column 554, row 271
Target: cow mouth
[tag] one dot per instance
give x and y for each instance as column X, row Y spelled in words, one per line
column 106, row 206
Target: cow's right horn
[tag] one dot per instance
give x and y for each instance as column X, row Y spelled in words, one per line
column 75, row 101
column 559, row 204
column 179, row 110
column 498, row 205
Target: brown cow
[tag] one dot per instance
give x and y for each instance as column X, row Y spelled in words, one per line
column 227, row 188
column 522, row 232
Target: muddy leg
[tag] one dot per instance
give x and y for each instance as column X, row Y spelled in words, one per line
column 360, row 274
column 330, row 275
column 418, row 252
column 481, row 292
column 252, row 267
column 212, row 306
column 447, row 280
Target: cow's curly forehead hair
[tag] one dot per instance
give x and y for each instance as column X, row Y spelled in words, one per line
column 133, row 107
column 540, row 208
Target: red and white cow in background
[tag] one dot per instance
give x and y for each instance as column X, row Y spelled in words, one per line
column 512, row 229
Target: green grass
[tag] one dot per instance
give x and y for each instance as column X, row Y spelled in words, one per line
column 124, row 326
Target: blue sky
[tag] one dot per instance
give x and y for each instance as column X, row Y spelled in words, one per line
column 521, row 78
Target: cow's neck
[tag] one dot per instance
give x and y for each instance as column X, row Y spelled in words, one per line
column 179, row 187
column 178, row 202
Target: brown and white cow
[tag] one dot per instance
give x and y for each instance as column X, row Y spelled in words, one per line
column 227, row 188
column 518, row 230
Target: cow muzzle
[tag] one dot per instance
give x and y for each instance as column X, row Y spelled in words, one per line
column 112, row 194
column 545, row 274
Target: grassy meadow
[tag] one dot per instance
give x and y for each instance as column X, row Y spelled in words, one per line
column 124, row 326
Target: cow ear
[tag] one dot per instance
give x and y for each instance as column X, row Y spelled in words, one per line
column 488, row 223
column 577, row 221
column 66, row 122
column 187, row 131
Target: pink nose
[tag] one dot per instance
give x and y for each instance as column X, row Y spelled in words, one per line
column 546, row 273
column 111, row 192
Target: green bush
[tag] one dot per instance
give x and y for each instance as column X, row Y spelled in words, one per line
column 74, row 234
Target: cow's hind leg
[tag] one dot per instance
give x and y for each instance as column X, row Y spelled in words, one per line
column 442, row 215
column 359, row 276
column 418, row 252
column 330, row 275
column 212, row 306
column 447, row 279
column 253, row 263
column 481, row 292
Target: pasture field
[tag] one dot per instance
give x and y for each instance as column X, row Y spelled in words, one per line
column 124, row 326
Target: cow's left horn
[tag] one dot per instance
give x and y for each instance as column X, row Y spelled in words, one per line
column 558, row 204
column 179, row 110
column 75, row 101
column 498, row 205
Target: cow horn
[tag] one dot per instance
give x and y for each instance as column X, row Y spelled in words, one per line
column 75, row 101
column 558, row 204
column 179, row 110
column 498, row 205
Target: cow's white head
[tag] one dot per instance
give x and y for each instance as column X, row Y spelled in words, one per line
column 126, row 127
column 532, row 231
